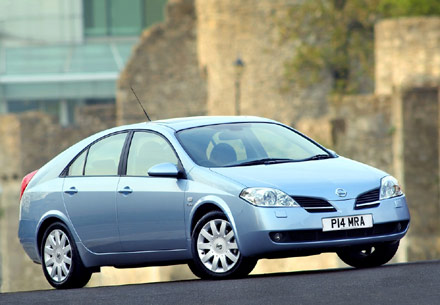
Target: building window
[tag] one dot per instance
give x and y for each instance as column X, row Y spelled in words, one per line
column 120, row 18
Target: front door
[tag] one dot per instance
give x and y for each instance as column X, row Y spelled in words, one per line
column 150, row 209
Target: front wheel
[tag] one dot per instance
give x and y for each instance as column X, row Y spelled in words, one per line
column 61, row 263
column 369, row 256
column 215, row 251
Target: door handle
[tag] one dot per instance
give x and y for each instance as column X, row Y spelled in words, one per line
column 125, row 191
column 71, row 191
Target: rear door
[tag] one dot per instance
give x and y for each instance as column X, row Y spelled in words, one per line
column 89, row 192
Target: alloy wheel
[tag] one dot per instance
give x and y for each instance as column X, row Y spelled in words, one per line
column 217, row 247
column 58, row 255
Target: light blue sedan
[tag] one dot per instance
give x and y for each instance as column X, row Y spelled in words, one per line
column 218, row 193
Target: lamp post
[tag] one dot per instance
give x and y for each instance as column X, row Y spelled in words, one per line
column 239, row 67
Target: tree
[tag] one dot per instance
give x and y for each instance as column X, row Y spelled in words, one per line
column 398, row 8
column 336, row 38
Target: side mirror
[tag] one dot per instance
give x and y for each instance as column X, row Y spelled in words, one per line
column 164, row 170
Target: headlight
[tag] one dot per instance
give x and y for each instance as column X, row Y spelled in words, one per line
column 389, row 188
column 267, row 197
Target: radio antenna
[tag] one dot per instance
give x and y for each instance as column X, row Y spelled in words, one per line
column 140, row 104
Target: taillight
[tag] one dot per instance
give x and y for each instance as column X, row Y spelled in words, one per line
column 25, row 182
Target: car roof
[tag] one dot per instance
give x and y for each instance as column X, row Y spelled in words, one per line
column 197, row 121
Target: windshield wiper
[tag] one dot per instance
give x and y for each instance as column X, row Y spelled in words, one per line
column 318, row 157
column 263, row 161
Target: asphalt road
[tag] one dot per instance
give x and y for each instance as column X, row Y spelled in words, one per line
column 413, row 283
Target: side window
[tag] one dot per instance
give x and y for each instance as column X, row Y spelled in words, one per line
column 103, row 157
column 77, row 167
column 146, row 150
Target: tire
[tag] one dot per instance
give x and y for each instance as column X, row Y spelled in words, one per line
column 62, row 265
column 369, row 256
column 216, row 254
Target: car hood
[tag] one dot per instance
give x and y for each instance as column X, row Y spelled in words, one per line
column 318, row 178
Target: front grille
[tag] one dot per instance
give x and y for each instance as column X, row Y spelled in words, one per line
column 368, row 199
column 319, row 235
column 314, row 205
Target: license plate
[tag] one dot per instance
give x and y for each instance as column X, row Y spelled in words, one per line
column 347, row 222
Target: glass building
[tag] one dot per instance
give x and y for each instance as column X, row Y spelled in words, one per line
column 58, row 54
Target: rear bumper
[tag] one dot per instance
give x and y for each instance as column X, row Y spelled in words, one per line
column 27, row 237
column 301, row 231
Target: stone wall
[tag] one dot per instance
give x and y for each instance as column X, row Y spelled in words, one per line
column 319, row 129
column 408, row 67
column 9, row 147
column 399, row 134
column 420, row 154
column 362, row 129
column 29, row 140
column 163, row 70
column 406, row 52
column 185, row 66
column 228, row 29
column 25, row 143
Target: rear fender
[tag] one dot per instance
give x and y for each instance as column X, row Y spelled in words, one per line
column 50, row 217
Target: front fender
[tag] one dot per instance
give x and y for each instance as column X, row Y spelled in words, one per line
column 219, row 202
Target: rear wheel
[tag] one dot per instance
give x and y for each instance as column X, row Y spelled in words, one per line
column 215, row 251
column 61, row 263
column 369, row 256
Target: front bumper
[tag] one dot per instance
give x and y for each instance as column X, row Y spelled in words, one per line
column 302, row 231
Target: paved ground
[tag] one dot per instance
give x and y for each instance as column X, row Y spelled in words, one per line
column 413, row 283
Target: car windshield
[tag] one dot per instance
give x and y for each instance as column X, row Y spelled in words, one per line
column 246, row 144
